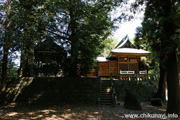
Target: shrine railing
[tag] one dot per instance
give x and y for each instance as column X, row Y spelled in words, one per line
column 138, row 77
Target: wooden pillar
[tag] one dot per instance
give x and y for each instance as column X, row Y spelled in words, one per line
column 97, row 70
column 128, row 63
column 109, row 67
column 118, row 65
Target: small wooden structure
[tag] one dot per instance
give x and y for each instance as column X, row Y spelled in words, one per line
column 124, row 58
column 49, row 58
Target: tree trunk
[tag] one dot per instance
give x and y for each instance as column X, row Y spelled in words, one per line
column 5, row 62
column 5, row 55
column 74, row 41
column 161, row 92
column 173, row 84
column 21, row 64
column 27, row 61
column 74, row 57
column 4, row 72
column 31, row 62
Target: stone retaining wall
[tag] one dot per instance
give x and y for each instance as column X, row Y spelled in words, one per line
column 145, row 89
column 55, row 90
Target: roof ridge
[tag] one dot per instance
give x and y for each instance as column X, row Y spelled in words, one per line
column 123, row 42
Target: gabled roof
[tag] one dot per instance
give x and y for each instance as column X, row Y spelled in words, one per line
column 125, row 43
column 125, row 47
column 49, row 50
column 49, row 45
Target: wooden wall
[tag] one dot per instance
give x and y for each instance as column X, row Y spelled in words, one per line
column 128, row 64
column 114, row 67
column 105, row 68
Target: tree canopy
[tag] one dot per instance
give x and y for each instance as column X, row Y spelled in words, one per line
column 80, row 27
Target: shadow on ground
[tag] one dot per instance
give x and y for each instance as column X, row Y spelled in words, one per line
column 16, row 111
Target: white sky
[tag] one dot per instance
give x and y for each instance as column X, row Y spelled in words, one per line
column 127, row 27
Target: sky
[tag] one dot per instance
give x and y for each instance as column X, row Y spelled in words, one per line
column 127, row 27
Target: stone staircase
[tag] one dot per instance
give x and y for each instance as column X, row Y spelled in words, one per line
column 106, row 93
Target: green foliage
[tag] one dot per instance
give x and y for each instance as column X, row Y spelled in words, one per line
column 13, row 69
column 13, row 72
column 81, row 27
column 155, row 33
column 24, row 28
column 159, row 27
column 109, row 44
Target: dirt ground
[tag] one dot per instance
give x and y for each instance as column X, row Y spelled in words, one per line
column 16, row 111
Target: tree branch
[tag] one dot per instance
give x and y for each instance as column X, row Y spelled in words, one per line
column 62, row 37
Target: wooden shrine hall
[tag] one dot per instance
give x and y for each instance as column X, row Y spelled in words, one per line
column 123, row 59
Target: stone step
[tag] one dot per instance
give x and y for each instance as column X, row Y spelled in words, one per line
column 106, row 93
column 106, row 98
column 103, row 94
column 106, row 83
column 106, row 90
column 104, row 86
column 104, row 102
